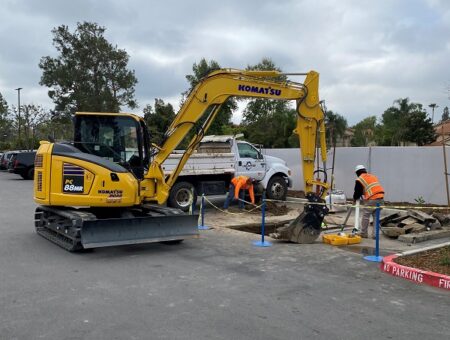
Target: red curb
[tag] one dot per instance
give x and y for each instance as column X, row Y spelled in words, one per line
column 413, row 274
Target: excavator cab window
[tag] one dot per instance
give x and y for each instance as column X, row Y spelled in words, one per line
column 117, row 138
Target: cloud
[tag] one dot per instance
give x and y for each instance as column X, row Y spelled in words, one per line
column 368, row 53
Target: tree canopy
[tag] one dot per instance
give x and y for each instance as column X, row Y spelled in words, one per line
column 364, row 132
column 402, row 123
column 335, row 125
column 5, row 124
column 221, row 123
column 158, row 119
column 405, row 122
column 89, row 73
column 267, row 121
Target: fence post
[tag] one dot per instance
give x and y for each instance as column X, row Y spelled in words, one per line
column 202, row 212
column 376, row 257
column 263, row 243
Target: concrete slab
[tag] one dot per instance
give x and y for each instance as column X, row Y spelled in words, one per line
column 425, row 236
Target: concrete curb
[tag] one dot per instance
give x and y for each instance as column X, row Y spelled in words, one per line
column 435, row 246
column 413, row 274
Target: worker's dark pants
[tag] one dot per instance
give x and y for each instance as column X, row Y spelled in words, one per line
column 370, row 211
column 230, row 197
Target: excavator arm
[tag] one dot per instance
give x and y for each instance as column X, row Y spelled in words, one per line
column 206, row 99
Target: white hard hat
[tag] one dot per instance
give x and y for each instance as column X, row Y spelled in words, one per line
column 360, row 167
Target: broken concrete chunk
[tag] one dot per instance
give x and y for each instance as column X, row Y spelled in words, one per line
column 390, row 217
column 421, row 216
column 416, row 228
column 426, row 235
column 393, row 232
column 407, row 221
column 433, row 225
column 442, row 218
column 408, row 228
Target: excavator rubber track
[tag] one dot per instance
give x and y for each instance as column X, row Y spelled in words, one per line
column 307, row 227
column 61, row 226
column 79, row 229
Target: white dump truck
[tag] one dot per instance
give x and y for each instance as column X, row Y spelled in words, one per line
column 217, row 160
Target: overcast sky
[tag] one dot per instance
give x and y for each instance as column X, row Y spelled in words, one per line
column 368, row 53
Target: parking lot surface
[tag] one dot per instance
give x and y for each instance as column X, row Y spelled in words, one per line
column 215, row 287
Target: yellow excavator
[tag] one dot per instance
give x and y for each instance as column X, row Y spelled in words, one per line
column 109, row 187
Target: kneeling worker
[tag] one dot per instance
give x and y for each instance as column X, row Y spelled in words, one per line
column 235, row 192
column 369, row 188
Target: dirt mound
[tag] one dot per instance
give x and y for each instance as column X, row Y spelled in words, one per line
column 272, row 209
column 296, row 193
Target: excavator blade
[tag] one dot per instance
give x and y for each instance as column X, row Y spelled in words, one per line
column 307, row 227
column 77, row 229
column 122, row 231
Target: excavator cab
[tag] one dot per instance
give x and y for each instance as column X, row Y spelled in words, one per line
column 121, row 138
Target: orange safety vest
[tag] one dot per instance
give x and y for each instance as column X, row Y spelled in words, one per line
column 239, row 183
column 372, row 188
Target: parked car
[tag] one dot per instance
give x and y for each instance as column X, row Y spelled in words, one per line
column 22, row 164
column 4, row 161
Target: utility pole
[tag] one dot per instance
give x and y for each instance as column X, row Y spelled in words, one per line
column 18, row 107
column 433, row 106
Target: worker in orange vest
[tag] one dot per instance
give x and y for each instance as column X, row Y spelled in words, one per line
column 237, row 189
column 370, row 190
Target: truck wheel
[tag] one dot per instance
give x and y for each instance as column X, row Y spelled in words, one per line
column 180, row 196
column 30, row 173
column 277, row 188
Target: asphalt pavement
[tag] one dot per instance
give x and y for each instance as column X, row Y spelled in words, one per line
column 215, row 287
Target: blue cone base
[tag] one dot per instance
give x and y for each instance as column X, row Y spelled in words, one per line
column 262, row 244
column 373, row 258
column 203, row 227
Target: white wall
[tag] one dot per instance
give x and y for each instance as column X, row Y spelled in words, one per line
column 406, row 173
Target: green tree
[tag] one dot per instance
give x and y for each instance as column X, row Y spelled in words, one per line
column 89, row 74
column 365, row 132
column 222, row 121
column 405, row 122
column 6, row 132
column 259, row 114
column 274, row 130
column 420, row 128
column 32, row 116
column 57, row 126
column 335, row 125
column 445, row 115
column 158, row 119
column 263, row 108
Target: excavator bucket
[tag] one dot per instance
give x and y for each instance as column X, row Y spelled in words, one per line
column 307, row 227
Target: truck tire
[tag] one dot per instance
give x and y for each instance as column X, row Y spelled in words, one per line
column 277, row 188
column 30, row 173
column 180, row 194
